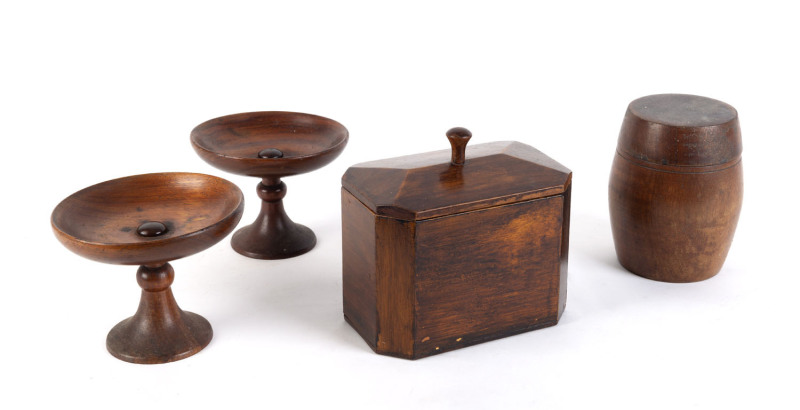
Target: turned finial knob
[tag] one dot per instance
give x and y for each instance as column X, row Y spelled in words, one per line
column 458, row 137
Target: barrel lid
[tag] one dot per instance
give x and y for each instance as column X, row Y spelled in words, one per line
column 680, row 130
column 433, row 184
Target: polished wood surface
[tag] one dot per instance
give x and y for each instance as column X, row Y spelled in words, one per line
column 676, row 187
column 306, row 142
column 564, row 251
column 270, row 145
column 428, row 185
column 438, row 281
column 474, row 285
column 359, row 267
column 673, row 227
column 148, row 220
column 458, row 137
column 273, row 235
column 101, row 221
column 395, row 277
column 160, row 331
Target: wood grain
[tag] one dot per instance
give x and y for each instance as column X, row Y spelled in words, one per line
column 676, row 187
column 673, row 227
column 148, row 220
column 428, row 185
column 498, row 282
column 100, row 222
column 453, row 248
column 159, row 332
column 359, row 268
column 395, row 277
column 270, row 145
column 306, row 141
column 564, row 252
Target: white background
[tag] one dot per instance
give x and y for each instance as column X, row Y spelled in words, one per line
column 95, row 91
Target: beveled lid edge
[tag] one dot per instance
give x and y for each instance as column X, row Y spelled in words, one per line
column 401, row 213
column 516, row 149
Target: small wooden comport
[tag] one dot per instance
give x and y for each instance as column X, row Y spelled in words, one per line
column 149, row 220
column 270, row 145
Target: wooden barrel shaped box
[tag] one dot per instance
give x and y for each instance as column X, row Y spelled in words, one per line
column 456, row 247
column 676, row 187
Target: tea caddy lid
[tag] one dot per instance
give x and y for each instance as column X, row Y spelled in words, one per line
column 680, row 130
column 462, row 179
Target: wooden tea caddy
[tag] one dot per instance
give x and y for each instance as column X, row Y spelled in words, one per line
column 149, row 220
column 451, row 248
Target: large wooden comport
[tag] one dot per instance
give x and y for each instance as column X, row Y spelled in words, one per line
column 149, row 220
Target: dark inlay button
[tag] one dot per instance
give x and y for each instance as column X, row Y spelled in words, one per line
column 270, row 153
column 150, row 229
